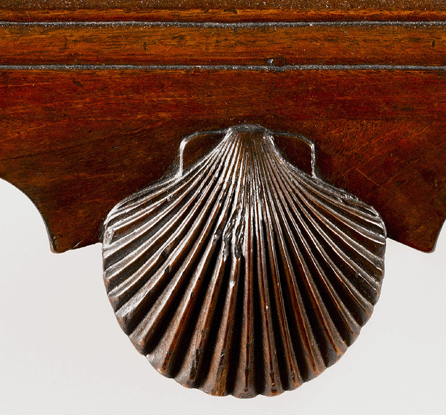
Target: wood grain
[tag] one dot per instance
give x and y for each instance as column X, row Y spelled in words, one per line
column 104, row 134
column 227, row 11
column 175, row 44
column 396, row 5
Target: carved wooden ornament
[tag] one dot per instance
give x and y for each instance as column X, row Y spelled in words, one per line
column 245, row 269
column 240, row 273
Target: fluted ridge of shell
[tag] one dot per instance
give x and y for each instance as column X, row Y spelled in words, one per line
column 243, row 275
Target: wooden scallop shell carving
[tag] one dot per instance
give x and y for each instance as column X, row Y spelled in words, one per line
column 240, row 273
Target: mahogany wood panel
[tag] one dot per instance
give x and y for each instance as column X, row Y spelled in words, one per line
column 228, row 10
column 396, row 5
column 258, row 44
column 103, row 134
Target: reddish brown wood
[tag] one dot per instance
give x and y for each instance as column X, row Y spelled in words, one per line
column 226, row 16
column 242, row 274
column 78, row 141
column 227, row 10
column 396, row 5
column 141, row 44
column 261, row 290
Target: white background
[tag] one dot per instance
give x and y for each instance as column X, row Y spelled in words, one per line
column 62, row 352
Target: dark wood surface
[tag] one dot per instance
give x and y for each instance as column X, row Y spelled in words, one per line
column 77, row 141
column 213, row 44
column 92, row 111
column 227, row 10
column 241, row 274
column 370, row 95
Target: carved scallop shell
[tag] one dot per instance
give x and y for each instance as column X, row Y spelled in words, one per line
column 242, row 274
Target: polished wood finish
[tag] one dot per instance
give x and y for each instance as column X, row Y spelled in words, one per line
column 223, row 11
column 213, row 44
column 268, row 281
column 239, row 273
column 104, row 134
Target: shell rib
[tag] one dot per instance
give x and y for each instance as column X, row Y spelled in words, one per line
column 242, row 274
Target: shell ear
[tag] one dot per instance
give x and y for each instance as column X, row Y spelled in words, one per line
column 298, row 150
column 244, row 274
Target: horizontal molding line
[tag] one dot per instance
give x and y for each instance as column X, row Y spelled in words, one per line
column 271, row 68
column 224, row 25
